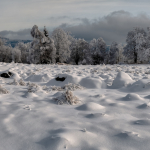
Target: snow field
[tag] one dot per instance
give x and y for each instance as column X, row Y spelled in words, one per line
column 111, row 112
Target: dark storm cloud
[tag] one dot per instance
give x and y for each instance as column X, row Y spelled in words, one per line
column 113, row 27
column 22, row 34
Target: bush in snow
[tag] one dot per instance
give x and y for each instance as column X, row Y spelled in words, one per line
column 3, row 90
column 67, row 98
column 20, row 82
column 69, row 86
column 32, row 87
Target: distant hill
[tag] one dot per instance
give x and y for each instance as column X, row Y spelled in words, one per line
column 14, row 42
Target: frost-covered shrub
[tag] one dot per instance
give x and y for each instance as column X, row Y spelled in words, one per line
column 22, row 83
column 56, row 88
column 32, row 87
column 69, row 86
column 46, row 89
column 67, row 98
column 3, row 90
column 73, row 87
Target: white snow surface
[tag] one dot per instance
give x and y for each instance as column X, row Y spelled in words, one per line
column 113, row 112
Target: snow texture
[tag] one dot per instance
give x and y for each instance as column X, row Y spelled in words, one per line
column 101, row 107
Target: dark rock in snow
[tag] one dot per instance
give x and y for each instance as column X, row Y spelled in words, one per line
column 6, row 75
column 60, row 79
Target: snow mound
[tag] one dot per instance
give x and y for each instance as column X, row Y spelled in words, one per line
column 31, row 95
column 144, row 106
column 38, row 78
column 126, row 134
column 95, row 115
column 147, row 97
column 68, row 79
column 90, row 106
column 131, row 97
column 16, row 76
column 142, row 122
column 92, row 83
column 55, row 143
column 140, row 85
column 122, row 79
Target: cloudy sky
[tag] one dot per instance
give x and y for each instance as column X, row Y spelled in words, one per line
column 88, row 19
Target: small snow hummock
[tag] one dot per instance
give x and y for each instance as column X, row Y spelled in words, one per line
column 67, row 98
column 122, row 79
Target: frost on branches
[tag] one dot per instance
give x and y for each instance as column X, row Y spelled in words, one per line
column 98, row 51
column 135, row 45
column 114, row 53
column 80, row 51
column 42, row 48
column 62, row 44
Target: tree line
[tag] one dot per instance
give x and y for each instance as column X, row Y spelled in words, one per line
column 62, row 47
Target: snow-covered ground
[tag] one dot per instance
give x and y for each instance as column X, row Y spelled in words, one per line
column 110, row 108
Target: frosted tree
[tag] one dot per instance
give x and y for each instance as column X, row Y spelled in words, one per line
column 114, row 53
column 42, row 48
column 148, row 38
column 121, row 56
column 48, row 52
column 101, row 47
column 146, row 52
column 24, row 48
column 131, row 49
column 16, row 54
column 78, row 51
column 98, row 51
column 5, row 52
column 140, row 46
column 62, row 44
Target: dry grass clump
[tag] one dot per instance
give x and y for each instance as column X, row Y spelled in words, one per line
column 3, row 90
column 46, row 89
column 20, row 82
column 67, row 98
column 57, row 88
column 32, row 87
column 73, row 87
column 69, row 86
